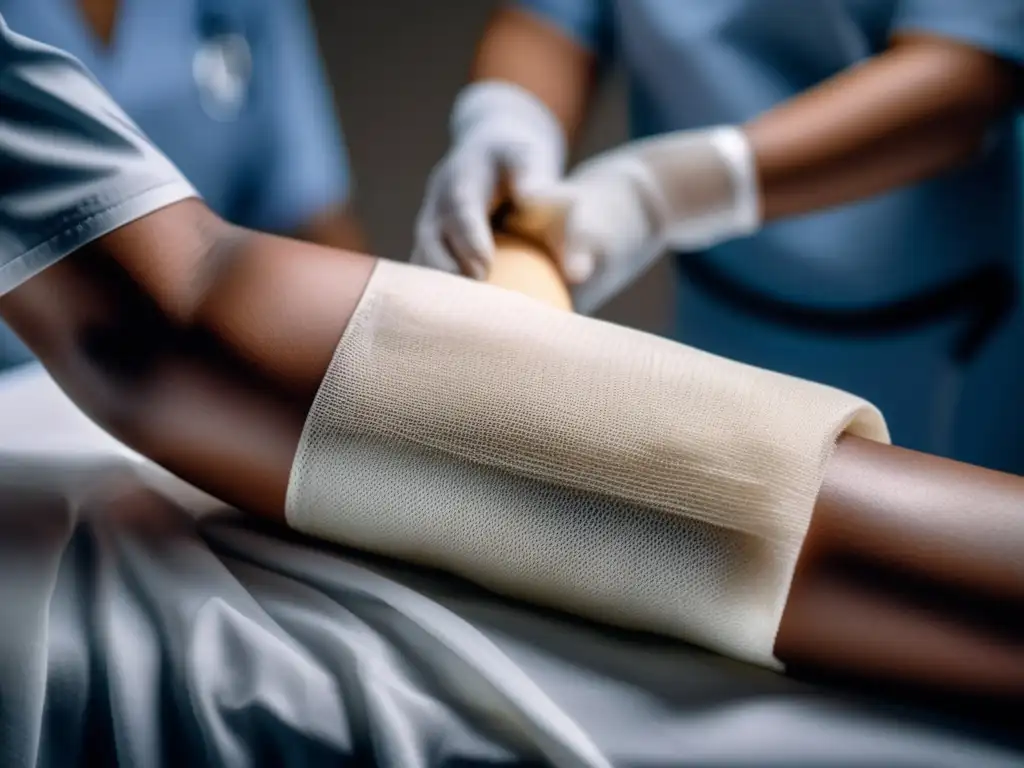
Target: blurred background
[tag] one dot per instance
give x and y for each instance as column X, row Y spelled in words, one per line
column 386, row 60
column 246, row 98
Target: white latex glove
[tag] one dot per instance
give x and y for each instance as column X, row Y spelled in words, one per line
column 499, row 130
column 622, row 209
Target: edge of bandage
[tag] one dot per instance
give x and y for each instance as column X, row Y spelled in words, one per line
column 866, row 422
column 369, row 298
column 366, row 301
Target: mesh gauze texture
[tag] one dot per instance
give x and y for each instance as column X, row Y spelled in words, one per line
column 567, row 461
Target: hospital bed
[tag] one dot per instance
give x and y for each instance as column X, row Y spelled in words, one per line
column 145, row 625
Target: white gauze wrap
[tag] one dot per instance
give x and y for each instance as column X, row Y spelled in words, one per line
column 568, row 461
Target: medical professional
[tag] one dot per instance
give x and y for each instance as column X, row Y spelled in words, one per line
column 232, row 91
column 204, row 348
column 836, row 179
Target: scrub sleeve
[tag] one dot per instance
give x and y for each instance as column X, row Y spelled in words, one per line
column 73, row 166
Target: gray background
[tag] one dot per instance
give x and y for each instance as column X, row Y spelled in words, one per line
column 395, row 67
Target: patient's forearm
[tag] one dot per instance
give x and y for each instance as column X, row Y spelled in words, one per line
column 911, row 572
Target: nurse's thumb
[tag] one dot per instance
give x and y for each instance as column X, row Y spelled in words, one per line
column 528, row 178
column 575, row 247
column 577, row 265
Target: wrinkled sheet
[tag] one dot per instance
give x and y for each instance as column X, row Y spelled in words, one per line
column 144, row 625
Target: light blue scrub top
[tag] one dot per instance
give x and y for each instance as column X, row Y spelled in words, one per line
column 271, row 165
column 282, row 160
column 694, row 64
column 73, row 166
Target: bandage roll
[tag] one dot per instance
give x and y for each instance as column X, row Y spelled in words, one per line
column 567, row 461
column 524, row 269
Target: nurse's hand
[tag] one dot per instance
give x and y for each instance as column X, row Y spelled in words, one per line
column 505, row 141
column 620, row 210
column 602, row 224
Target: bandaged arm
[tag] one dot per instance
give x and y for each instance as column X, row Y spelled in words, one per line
column 223, row 374
column 213, row 351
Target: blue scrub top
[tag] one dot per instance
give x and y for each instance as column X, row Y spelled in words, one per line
column 693, row 64
column 271, row 165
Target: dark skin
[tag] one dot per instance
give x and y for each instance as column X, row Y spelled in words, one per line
column 884, row 517
column 911, row 573
column 222, row 373
column 334, row 227
column 196, row 305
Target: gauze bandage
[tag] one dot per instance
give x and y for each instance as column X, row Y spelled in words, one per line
column 567, row 461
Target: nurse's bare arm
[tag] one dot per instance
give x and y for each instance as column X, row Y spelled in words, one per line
column 920, row 108
column 304, row 183
column 522, row 49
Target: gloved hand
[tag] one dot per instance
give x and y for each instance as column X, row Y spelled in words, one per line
column 622, row 209
column 500, row 133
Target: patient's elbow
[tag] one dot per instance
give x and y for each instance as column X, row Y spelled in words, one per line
column 110, row 372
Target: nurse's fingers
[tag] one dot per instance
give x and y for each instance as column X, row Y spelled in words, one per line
column 471, row 242
column 527, row 175
column 430, row 249
column 560, row 216
column 464, row 215
column 578, row 264
column 431, row 252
